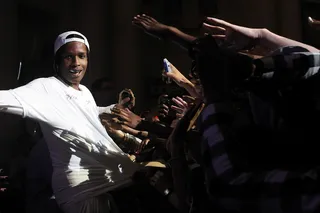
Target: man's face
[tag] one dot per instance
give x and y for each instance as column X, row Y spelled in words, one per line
column 74, row 62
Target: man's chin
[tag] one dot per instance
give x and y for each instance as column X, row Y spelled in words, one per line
column 72, row 79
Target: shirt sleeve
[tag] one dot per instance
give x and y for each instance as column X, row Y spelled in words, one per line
column 106, row 109
column 214, row 139
column 287, row 69
column 35, row 101
column 9, row 104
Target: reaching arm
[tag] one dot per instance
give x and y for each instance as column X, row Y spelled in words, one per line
column 182, row 81
column 182, row 39
column 244, row 38
column 274, row 41
column 162, row 31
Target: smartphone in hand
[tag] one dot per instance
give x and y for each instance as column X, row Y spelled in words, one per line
column 167, row 68
column 166, row 65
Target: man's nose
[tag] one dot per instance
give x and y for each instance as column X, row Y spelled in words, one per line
column 75, row 61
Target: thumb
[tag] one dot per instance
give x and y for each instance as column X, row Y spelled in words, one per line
column 124, row 101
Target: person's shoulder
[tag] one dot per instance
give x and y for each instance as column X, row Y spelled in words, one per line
column 42, row 83
column 37, row 82
column 42, row 80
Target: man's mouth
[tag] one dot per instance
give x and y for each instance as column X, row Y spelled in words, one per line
column 73, row 71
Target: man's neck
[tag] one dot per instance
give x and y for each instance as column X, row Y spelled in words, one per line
column 74, row 86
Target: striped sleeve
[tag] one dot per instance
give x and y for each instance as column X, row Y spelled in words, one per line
column 287, row 69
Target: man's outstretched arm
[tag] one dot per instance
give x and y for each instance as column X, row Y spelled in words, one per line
column 9, row 104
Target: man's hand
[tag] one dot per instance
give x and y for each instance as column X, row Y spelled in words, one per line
column 176, row 76
column 117, row 128
column 178, row 135
column 232, row 36
column 150, row 25
column 128, row 102
column 111, row 126
column 127, row 117
column 123, row 103
column 163, row 108
column 181, row 81
column 181, row 107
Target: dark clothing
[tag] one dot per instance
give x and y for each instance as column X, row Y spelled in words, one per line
column 272, row 164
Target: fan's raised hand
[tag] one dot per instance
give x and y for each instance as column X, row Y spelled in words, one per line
column 150, row 25
column 234, row 36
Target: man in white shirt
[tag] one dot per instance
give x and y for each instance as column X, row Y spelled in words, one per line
column 86, row 161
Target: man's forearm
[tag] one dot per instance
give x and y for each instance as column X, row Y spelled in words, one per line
column 273, row 41
column 179, row 37
column 189, row 86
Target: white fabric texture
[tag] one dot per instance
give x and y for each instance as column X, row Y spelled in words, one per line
column 62, row 40
column 86, row 161
column 106, row 109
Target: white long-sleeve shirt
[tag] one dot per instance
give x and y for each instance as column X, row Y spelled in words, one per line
column 86, row 161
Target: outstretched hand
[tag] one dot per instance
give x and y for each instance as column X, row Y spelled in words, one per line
column 232, row 36
column 111, row 126
column 150, row 25
column 117, row 127
column 180, row 107
column 176, row 76
column 127, row 117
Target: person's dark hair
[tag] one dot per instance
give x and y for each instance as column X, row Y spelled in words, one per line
column 219, row 70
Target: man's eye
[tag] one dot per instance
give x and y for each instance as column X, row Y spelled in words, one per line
column 68, row 57
column 82, row 56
